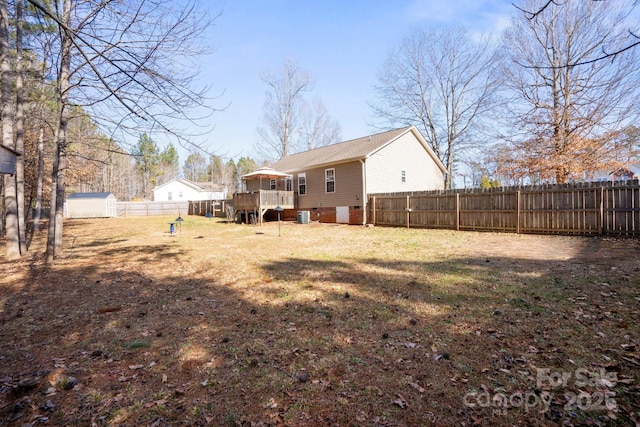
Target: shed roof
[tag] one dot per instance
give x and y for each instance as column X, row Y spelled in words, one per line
column 354, row 149
column 89, row 195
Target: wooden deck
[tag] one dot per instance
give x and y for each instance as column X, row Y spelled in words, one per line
column 261, row 201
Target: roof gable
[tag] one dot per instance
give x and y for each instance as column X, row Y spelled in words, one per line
column 183, row 181
column 355, row 149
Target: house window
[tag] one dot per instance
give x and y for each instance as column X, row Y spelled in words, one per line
column 272, row 184
column 180, row 195
column 330, row 180
column 288, row 184
column 404, row 176
column 169, row 195
column 302, row 184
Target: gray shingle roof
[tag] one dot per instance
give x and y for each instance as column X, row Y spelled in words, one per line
column 343, row 151
column 88, row 195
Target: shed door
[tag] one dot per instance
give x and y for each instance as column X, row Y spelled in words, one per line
column 342, row 214
column 112, row 210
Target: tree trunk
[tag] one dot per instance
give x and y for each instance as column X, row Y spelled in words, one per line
column 11, row 203
column 54, row 237
column 22, row 213
column 38, row 212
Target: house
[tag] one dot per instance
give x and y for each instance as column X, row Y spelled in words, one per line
column 90, row 205
column 630, row 172
column 185, row 190
column 333, row 182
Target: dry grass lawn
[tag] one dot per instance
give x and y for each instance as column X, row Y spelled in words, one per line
column 236, row 325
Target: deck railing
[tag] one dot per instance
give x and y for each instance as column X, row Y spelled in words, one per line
column 265, row 199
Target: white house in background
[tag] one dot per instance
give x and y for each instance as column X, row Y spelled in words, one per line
column 184, row 190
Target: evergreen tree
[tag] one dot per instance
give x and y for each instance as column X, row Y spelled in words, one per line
column 147, row 158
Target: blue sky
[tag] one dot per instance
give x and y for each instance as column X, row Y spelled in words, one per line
column 341, row 43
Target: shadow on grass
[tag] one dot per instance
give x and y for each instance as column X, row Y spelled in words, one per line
column 349, row 342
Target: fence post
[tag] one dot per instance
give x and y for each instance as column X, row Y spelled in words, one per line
column 518, row 212
column 408, row 209
column 458, row 211
column 373, row 210
column 601, row 231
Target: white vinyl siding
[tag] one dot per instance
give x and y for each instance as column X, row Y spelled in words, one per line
column 405, row 153
column 179, row 191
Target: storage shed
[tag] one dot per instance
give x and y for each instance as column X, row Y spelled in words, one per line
column 91, row 205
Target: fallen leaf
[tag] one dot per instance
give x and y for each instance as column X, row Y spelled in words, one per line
column 271, row 404
column 134, row 367
column 417, row 387
column 109, row 309
column 164, row 378
column 400, row 401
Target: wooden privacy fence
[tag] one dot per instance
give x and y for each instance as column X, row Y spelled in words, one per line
column 582, row 208
column 151, row 208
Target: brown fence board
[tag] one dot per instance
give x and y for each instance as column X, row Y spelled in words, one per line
column 581, row 208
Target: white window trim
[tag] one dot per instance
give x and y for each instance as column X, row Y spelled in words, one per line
column 326, row 180
column 273, row 184
column 403, row 176
column 304, row 176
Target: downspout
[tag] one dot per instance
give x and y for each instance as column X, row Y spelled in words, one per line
column 365, row 202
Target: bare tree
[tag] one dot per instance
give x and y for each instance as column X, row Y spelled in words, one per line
column 633, row 37
column 318, row 128
column 281, row 109
column 564, row 117
column 441, row 82
column 291, row 124
column 195, row 167
column 131, row 65
column 222, row 173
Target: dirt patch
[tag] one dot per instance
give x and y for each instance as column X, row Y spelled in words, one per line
column 318, row 324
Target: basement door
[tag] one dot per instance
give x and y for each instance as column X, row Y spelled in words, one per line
column 342, row 214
